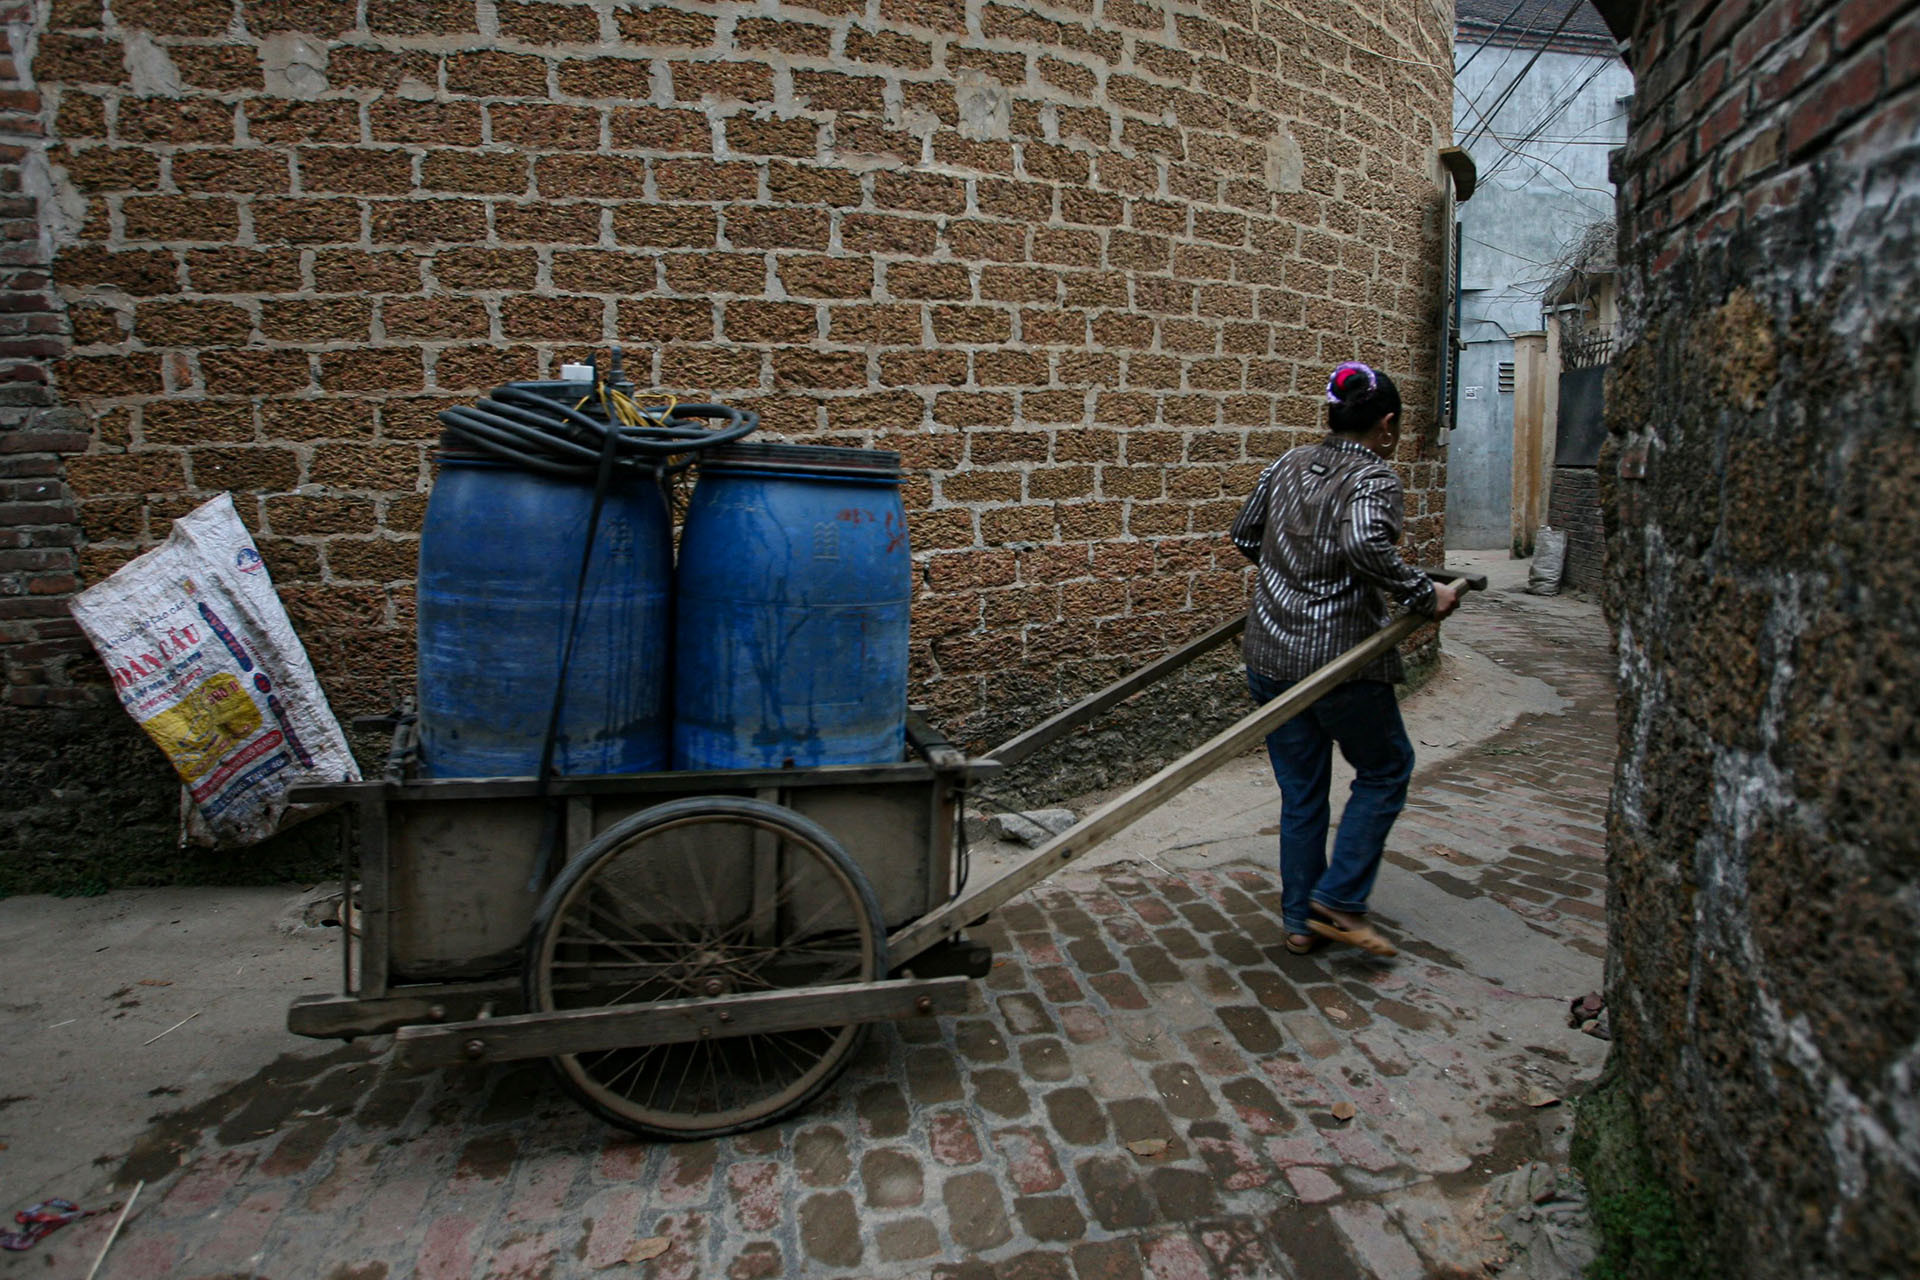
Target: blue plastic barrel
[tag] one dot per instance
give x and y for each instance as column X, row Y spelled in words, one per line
column 793, row 599
column 499, row 556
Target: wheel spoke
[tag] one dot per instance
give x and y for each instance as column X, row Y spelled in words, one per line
column 782, row 897
column 640, row 1057
column 753, row 1056
column 681, row 1083
column 845, row 964
column 610, row 964
column 713, row 1078
column 656, row 1078
column 640, row 919
column 783, row 1041
column 607, row 887
column 620, row 949
column 804, row 931
column 626, row 924
column 588, row 936
column 713, row 913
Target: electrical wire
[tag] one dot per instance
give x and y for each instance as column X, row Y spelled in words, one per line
column 1502, row 249
column 1574, row 184
column 1501, row 101
column 1567, row 142
column 1472, row 102
column 1448, row 43
column 1533, row 132
column 1489, row 38
column 1556, row 105
column 1411, row 62
column 1560, row 145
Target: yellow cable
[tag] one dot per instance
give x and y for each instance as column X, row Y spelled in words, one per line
column 622, row 408
column 633, row 415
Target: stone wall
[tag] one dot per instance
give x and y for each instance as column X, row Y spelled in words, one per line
column 1763, row 568
column 64, row 748
column 1084, row 264
column 1573, row 505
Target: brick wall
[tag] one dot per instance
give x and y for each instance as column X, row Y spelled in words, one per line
column 1084, row 264
column 1763, row 561
column 76, row 776
column 39, row 534
column 1573, row 505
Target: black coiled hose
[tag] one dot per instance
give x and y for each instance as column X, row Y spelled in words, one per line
column 540, row 426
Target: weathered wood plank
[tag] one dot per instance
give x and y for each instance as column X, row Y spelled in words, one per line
column 690, row 782
column 376, row 895
column 344, row 1017
column 541, row 1035
column 932, row 745
column 1021, row 746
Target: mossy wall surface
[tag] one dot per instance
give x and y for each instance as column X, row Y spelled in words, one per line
column 1763, row 574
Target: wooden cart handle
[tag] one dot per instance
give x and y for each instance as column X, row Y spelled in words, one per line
column 1094, row 705
column 1123, row 810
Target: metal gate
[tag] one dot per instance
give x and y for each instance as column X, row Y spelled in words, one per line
column 1582, row 420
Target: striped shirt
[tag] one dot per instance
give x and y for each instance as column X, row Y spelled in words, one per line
column 1322, row 525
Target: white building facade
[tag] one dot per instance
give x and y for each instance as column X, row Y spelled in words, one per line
column 1540, row 99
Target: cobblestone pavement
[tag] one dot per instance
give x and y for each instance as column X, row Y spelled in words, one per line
column 1523, row 820
column 1147, row 1084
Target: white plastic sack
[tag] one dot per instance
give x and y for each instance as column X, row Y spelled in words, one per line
column 203, row 657
column 1549, row 561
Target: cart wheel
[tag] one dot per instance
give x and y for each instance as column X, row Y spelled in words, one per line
column 701, row 898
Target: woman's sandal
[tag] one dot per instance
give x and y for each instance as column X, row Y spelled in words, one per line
column 1363, row 936
column 1308, row 947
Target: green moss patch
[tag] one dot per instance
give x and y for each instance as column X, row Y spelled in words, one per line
column 1644, row 1233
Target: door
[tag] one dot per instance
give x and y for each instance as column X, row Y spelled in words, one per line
column 1480, row 450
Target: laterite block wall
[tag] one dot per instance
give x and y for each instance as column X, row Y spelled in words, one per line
column 1084, row 264
column 1762, row 567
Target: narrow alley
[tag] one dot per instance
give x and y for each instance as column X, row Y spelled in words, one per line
column 1148, row 1084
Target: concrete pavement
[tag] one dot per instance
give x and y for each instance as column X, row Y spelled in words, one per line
column 1147, row 1084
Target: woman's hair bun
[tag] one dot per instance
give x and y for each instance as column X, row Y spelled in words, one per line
column 1350, row 382
column 1358, row 397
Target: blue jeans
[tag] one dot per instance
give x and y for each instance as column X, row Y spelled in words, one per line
column 1363, row 720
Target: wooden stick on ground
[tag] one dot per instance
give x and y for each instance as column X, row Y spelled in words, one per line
column 118, row 1222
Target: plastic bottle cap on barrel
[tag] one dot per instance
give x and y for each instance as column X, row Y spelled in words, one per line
column 576, row 373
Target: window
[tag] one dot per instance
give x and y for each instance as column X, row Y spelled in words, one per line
column 1506, row 377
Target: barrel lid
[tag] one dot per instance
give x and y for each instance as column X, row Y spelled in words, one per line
column 457, row 452
column 803, row 457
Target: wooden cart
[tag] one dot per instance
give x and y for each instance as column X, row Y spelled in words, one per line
column 715, row 945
